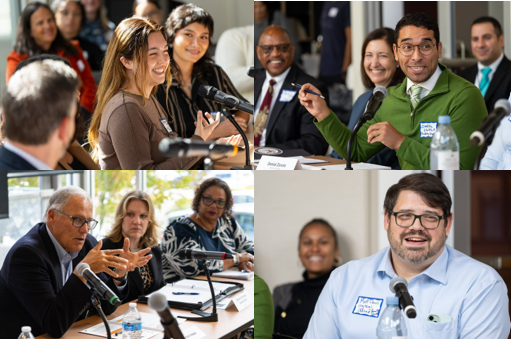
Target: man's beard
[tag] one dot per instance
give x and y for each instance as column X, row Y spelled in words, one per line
column 414, row 256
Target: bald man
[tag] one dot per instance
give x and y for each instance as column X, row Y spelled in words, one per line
column 280, row 120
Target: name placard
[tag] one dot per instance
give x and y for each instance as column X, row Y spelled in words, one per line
column 240, row 301
column 193, row 333
column 278, row 163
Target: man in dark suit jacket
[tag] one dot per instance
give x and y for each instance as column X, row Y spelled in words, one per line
column 39, row 285
column 285, row 123
column 487, row 46
column 12, row 161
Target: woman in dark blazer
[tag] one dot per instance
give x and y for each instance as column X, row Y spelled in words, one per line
column 135, row 220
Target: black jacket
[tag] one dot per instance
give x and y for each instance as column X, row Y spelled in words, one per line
column 135, row 282
column 12, row 161
column 290, row 125
column 500, row 85
column 31, row 291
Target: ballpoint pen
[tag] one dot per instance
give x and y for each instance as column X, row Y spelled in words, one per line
column 185, row 293
column 311, row 92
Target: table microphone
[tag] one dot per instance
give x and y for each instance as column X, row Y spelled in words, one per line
column 399, row 286
column 211, row 93
column 379, row 93
column 178, row 147
column 250, row 71
column 188, row 253
column 490, row 123
column 158, row 302
column 83, row 270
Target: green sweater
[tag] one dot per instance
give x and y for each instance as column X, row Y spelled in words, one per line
column 452, row 95
column 263, row 310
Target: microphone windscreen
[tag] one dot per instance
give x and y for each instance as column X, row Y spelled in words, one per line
column 504, row 104
column 82, row 267
column 381, row 89
column 183, row 253
column 207, row 92
column 396, row 281
column 157, row 302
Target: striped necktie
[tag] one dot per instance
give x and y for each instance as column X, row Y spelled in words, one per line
column 262, row 116
column 416, row 95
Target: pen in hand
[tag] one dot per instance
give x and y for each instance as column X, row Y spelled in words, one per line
column 311, row 92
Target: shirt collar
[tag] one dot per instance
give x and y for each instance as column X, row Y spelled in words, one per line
column 493, row 65
column 61, row 252
column 437, row 271
column 279, row 78
column 38, row 164
column 428, row 84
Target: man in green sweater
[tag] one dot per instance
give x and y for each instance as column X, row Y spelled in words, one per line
column 407, row 118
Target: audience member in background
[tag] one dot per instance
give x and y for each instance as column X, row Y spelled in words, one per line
column 129, row 123
column 378, row 68
column 38, row 34
column 135, row 220
column 263, row 310
column 98, row 29
column 70, row 19
column 266, row 14
column 150, row 9
column 280, row 119
column 38, row 114
column 235, row 53
column 294, row 303
column 336, row 44
column 211, row 227
column 492, row 74
column 189, row 29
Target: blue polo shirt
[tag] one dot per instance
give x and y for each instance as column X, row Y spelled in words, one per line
column 470, row 292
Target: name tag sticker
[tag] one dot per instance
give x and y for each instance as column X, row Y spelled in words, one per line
column 287, row 95
column 428, row 128
column 370, row 307
column 166, row 125
column 332, row 13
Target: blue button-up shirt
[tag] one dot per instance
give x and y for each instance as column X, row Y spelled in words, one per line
column 470, row 292
column 65, row 258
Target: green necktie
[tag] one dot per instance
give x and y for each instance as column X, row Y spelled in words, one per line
column 416, row 95
column 485, row 81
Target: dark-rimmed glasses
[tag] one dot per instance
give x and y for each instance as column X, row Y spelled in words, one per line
column 425, row 48
column 78, row 222
column 283, row 48
column 208, row 201
column 428, row 221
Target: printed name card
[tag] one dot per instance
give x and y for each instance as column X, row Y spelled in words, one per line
column 240, row 301
column 278, row 163
column 193, row 333
column 369, row 307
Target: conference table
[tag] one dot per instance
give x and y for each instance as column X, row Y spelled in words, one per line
column 230, row 321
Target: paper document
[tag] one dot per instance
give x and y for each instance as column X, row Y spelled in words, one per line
column 235, row 274
column 116, row 331
column 150, row 321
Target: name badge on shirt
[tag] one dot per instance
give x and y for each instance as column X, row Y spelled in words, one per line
column 287, row 95
column 370, row 307
column 428, row 128
column 166, row 125
column 332, row 13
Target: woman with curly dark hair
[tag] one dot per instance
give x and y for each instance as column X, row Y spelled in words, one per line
column 210, row 228
column 189, row 29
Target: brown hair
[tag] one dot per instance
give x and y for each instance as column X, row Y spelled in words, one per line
column 130, row 41
column 199, row 190
column 387, row 35
column 150, row 238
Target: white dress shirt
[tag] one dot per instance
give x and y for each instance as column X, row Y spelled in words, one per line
column 493, row 67
column 427, row 86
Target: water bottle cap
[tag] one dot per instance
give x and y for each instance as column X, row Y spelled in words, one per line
column 444, row 119
column 392, row 301
column 133, row 305
column 26, row 329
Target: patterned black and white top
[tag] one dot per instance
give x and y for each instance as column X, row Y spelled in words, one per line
column 227, row 237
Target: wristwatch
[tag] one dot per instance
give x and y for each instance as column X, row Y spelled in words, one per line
column 236, row 259
column 122, row 279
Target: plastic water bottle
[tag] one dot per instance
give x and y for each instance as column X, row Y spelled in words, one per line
column 444, row 153
column 392, row 322
column 26, row 333
column 132, row 323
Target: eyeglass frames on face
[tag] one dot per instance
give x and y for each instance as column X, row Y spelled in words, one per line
column 208, row 201
column 425, row 48
column 78, row 222
column 428, row 221
column 283, row 48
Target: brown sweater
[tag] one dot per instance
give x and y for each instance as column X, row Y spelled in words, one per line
column 129, row 135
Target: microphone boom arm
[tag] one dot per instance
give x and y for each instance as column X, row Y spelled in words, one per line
column 229, row 116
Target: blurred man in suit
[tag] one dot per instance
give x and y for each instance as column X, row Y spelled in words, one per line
column 492, row 74
column 280, row 120
column 38, row 116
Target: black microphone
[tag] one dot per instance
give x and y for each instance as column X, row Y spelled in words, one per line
column 399, row 286
column 490, row 123
column 179, row 147
column 158, row 302
column 211, row 93
column 379, row 93
column 250, row 71
column 97, row 284
column 188, row 253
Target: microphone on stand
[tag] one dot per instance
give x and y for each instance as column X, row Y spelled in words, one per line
column 188, row 253
column 211, row 93
column 178, row 147
column 98, row 285
column 250, row 71
column 399, row 286
column 485, row 131
column 158, row 302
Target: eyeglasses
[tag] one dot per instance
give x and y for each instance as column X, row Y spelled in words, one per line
column 425, row 48
column 428, row 221
column 78, row 222
column 209, row 201
column 283, row 48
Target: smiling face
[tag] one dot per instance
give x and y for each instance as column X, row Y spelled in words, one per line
column 417, row 67
column 415, row 244
column 277, row 61
column 317, row 250
column 190, row 43
column 157, row 59
column 43, row 28
column 61, row 227
column 136, row 221
column 379, row 62
column 69, row 19
column 212, row 213
column 486, row 46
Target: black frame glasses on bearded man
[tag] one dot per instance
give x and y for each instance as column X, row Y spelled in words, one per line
column 428, row 221
column 78, row 222
column 283, row 48
column 425, row 48
column 208, row 201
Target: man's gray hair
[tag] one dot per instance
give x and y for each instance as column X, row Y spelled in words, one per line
column 61, row 197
